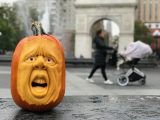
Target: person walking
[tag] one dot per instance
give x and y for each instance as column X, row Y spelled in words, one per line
column 100, row 57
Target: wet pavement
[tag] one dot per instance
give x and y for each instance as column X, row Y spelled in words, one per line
column 90, row 108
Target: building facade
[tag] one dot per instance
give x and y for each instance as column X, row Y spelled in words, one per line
column 148, row 11
column 68, row 10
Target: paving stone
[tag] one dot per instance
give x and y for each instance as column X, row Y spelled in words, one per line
column 89, row 108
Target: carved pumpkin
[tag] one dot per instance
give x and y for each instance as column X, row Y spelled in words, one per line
column 38, row 73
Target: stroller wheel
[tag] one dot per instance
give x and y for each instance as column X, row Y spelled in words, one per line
column 123, row 80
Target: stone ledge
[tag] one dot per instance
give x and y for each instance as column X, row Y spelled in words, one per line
column 111, row 3
column 80, row 62
column 90, row 107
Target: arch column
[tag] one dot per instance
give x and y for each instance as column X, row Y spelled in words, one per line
column 126, row 30
column 83, row 45
column 83, row 42
column 124, row 40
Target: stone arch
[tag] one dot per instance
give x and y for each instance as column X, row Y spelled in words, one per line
column 88, row 12
column 98, row 18
column 90, row 26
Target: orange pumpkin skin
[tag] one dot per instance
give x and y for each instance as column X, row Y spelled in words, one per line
column 31, row 103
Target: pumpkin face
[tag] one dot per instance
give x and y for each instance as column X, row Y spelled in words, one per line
column 38, row 73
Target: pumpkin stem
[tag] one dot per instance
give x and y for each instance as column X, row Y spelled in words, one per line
column 37, row 28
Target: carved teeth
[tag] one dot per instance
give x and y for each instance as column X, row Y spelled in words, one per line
column 40, row 81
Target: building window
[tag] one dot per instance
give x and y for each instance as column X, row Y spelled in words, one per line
column 138, row 8
column 144, row 10
column 150, row 9
column 149, row 26
column 157, row 25
column 156, row 9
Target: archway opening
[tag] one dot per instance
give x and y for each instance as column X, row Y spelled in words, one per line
column 110, row 27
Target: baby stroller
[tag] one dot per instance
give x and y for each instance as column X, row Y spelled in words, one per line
column 132, row 55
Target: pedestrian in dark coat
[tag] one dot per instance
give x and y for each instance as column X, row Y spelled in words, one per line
column 100, row 57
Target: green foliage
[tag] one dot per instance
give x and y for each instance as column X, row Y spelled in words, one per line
column 12, row 27
column 9, row 28
column 142, row 33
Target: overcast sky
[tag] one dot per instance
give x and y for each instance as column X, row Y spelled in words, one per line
column 7, row 1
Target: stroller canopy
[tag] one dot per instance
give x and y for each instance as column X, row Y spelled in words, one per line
column 137, row 49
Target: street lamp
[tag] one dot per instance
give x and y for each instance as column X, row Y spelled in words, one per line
column 156, row 35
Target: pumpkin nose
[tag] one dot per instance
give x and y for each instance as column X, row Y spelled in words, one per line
column 40, row 63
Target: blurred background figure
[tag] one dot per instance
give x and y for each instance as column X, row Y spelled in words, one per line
column 100, row 57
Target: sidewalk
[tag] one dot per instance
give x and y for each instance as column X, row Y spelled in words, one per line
column 86, row 101
column 76, row 85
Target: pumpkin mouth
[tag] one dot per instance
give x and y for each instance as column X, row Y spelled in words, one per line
column 39, row 87
column 39, row 83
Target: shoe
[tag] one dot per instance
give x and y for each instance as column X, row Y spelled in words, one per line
column 90, row 80
column 108, row 82
column 118, row 68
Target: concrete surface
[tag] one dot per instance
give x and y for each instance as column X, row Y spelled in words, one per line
column 86, row 101
column 77, row 85
column 90, row 108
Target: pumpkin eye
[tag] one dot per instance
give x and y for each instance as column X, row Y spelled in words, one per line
column 31, row 59
column 50, row 60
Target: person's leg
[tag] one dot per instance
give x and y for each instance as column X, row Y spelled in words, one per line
column 106, row 80
column 95, row 67
column 104, row 73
